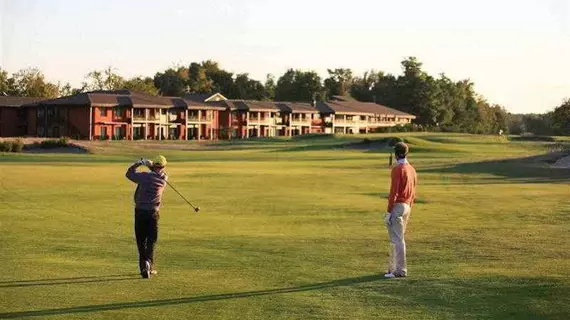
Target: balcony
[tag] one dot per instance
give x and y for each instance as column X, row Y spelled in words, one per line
column 263, row 121
column 301, row 122
column 145, row 118
column 201, row 119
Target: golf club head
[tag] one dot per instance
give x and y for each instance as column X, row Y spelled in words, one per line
column 197, row 209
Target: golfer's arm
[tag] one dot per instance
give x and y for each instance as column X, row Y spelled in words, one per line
column 132, row 173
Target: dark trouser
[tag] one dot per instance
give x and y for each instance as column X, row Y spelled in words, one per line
column 146, row 231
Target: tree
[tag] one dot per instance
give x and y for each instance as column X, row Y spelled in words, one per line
column 296, row 85
column 31, row 83
column 361, row 88
column 269, row 87
column 338, row 82
column 540, row 124
column 561, row 118
column 248, row 89
column 436, row 102
column 6, row 83
column 171, row 82
column 222, row 81
column 103, row 80
column 145, row 85
column 418, row 93
column 65, row 90
column 198, row 80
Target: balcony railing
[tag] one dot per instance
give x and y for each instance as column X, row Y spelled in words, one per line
column 263, row 120
column 301, row 121
column 201, row 119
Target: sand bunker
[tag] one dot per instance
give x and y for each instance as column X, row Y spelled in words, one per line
column 562, row 163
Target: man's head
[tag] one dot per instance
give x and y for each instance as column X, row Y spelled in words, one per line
column 158, row 163
column 401, row 150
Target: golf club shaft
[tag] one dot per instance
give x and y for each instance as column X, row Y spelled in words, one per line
column 180, row 195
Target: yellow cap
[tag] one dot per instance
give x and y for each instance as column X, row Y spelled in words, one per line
column 159, row 161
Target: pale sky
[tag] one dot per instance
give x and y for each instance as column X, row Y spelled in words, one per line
column 516, row 52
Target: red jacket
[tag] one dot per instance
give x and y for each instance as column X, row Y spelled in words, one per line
column 403, row 186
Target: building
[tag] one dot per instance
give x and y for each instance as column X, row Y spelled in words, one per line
column 122, row 114
column 131, row 115
column 13, row 118
column 299, row 118
column 348, row 116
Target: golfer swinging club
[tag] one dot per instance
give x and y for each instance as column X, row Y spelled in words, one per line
column 402, row 196
column 148, row 195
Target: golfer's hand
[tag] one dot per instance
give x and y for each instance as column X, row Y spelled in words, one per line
column 387, row 217
column 147, row 162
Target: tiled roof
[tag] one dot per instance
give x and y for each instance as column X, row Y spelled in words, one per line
column 357, row 107
column 296, row 107
column 134, row 99
column 10, row 101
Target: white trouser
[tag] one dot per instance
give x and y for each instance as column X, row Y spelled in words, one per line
column 397, row 230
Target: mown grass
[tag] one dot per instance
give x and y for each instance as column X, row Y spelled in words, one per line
column 289, row 229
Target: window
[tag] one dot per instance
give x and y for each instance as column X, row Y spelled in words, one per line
column 104, row 132
column 51, row 112
column 40, row 112
column 118, row 133
column 163, row 112
column 117, row 112
column 55, row 132
column 173, row 133
column 137, row 132
column 103, row 112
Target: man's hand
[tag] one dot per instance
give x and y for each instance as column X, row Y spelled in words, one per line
column 387, row 217
column 144, row 162
column 147, row 162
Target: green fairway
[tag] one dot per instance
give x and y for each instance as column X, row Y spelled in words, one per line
column 289, row 229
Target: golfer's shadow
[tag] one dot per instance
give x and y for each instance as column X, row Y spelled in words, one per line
column 57, row 281
column 186, row 300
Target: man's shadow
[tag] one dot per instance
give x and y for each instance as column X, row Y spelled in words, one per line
column 56, row 281
column 167, row 302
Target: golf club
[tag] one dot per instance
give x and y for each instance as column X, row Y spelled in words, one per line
column 195, row 208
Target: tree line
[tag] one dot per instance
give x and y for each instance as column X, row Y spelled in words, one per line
column 439, row 102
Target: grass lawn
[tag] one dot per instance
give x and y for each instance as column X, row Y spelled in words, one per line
column 288, row 229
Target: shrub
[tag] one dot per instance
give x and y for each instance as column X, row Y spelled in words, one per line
column 12, row 145
column 533, row 138
column 55, row 143
column 17, row 146
column 5, row 146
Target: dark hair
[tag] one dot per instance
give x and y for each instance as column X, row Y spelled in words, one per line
column 401, row 150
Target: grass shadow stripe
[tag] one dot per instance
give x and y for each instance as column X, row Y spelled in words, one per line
column 53, row 283
column 177, row 301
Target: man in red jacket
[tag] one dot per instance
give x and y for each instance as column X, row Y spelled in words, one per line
column 400, row 201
